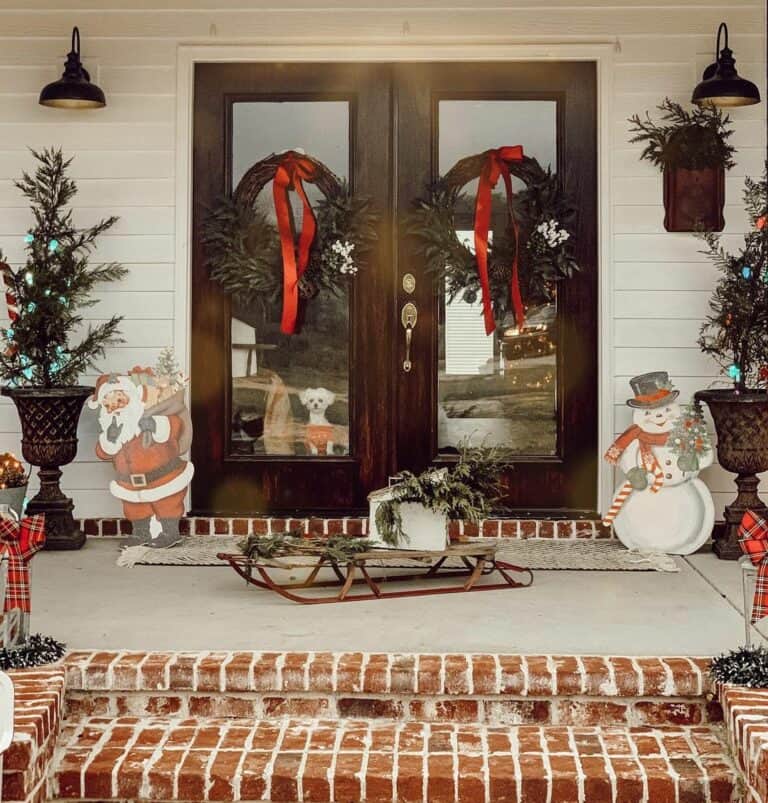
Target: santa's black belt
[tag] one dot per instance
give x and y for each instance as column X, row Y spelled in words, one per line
column 142, row 480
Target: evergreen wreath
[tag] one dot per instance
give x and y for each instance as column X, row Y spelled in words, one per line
column 243, row 247
column 466, row 490
column 545, row 214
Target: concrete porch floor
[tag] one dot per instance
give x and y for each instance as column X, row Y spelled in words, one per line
column 84, row 599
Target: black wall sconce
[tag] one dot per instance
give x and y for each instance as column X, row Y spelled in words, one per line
column 74, row 89
column 721, row 85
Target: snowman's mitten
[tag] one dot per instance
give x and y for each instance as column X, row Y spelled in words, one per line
column 688, row 462
column 638, row 478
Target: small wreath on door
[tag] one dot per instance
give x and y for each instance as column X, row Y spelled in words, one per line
column 254, row 260
column 526, row 259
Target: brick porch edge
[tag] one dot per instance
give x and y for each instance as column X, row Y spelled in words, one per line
column 746, row 718
column 630, row 724
column 490, row 528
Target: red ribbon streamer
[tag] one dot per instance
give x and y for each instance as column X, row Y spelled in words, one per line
column 495, row 166
column 290, row 173
column 22, row 540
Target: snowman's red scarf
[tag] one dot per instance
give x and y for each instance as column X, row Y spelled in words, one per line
column 635, row 433
column 647, row 441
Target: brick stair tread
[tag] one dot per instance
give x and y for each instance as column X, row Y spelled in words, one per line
column 166, row 759
column 387, row 673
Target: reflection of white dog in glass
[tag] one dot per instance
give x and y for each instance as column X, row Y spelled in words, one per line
column 319, row 428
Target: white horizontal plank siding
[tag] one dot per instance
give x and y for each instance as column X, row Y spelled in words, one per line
column 126, row 154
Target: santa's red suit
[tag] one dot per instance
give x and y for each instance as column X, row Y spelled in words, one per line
column 151, row 476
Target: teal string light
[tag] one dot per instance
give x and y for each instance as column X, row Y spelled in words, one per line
column 746, row 272
column 53, row 245
column 734, row 372
column 29, row 239
column 31, row 307
column 29, row 278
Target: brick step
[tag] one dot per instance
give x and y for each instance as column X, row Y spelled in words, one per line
column 351, row 761
column 358, row 525
column 485, row 689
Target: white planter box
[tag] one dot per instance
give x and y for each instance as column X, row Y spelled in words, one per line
column 425, row 529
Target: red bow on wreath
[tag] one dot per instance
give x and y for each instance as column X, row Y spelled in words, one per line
column 496, row 165
column 22, row 540
column 290, row 172
column 753, row 538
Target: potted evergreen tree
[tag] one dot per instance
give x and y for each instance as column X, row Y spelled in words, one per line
column 735, row 333
column 692, row 151
column 40, row 364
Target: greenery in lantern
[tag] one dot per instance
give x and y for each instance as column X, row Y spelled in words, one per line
column 692, row 140
column 12, row 473
column 735, row 331
column 54, row 285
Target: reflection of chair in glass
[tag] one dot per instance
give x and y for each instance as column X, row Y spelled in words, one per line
column 245, row 350
column 275, row 426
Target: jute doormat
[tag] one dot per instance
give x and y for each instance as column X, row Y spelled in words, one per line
column 594, row 556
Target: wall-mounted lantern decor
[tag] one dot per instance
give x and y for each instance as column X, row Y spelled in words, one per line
column 692, row 151
column 721, row 85
column 74, row 89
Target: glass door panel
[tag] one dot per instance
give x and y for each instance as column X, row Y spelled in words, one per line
column 498, row 389
column 290, row 393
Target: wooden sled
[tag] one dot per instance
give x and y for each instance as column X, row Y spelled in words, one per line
column 478, row 559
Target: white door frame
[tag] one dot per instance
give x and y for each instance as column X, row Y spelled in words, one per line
column 601, row 53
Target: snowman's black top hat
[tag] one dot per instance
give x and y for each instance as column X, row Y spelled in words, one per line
column 652, row 390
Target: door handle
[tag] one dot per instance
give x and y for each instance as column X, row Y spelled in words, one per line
column 408, row 315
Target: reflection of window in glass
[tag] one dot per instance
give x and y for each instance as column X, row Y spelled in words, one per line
column 290, row 393
column 497, row 389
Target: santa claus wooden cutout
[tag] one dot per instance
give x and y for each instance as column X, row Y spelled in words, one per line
column 145, row 430
column 662, row 506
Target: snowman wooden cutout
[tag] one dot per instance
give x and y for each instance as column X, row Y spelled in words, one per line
column 663, row 506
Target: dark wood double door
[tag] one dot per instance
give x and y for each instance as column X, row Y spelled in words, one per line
column 389, row 130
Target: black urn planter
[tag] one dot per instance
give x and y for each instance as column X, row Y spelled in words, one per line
column 49, row 418
column 741, row 421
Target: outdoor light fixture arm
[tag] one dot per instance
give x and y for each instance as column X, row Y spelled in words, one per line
column 74, row 89
column 73, row 67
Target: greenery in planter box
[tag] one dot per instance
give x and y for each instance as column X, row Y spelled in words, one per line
column 339, row 548
column 54, row 284
column 735, row 331
column 692, row 140
column 465, row 490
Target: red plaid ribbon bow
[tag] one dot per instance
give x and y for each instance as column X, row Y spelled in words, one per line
column 753, row 537
column 22, row 540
